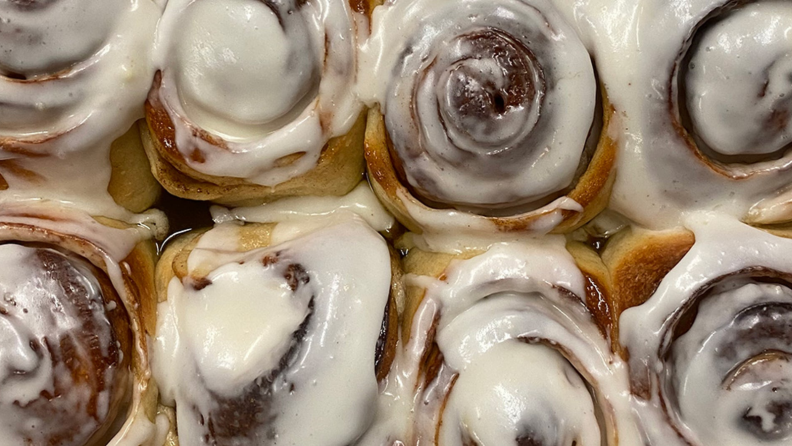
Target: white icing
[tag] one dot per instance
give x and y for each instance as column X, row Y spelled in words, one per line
column 434, row 83
column 499, row 316
column 360, row 201
column 45, row 222
column 229, row 354
column 341, row 293
column 222, row 84
column 702, row 373
column 517, row 370
column 702, row 368
column 88, row 71
column 37, row 319
column 449, row 230
column 636, row 46
column 739, row 78
column 278, row 85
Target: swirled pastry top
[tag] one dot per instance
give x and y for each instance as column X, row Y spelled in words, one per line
column 75, row 71
column 71, row 275
column 488, row 105
column 703, row 92
column 255, row 89
column 517, row 346
column 726, row 378
column 252, row 344
column 62, row 372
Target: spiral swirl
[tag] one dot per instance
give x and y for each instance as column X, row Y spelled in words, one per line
column 488, row 106
column 62, row 62
column 716, row 369
column 66, row 349
column 735, row 93
column 76, row 313
column 736, row 360
column 253, row 90
column 273, row 335
column 513, row 355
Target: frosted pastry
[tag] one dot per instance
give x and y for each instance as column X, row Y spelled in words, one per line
column 275, row 331
column 77, row 309
column 708, row 333
column 253, row 100
column 503, row 348
column 485, row 117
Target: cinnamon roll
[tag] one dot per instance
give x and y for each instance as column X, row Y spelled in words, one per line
column 76, row 311
column 503, row 349
column 253, row 100
column 705, row 91
column 275, row 332
column 487, row 117
column 73, row 78
column 709, row 341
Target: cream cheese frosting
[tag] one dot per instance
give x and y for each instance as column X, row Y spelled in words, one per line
column 277, row 87
column 73, row 77
column 37, row 223
column 297, row 367
column 724, row 53
column 725, row 380
column 38, row 318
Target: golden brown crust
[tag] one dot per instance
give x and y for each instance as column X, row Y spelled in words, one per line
column 339, row 169
column 597, row 281
column 637, row 260
column 131, row 183
column 592, row 190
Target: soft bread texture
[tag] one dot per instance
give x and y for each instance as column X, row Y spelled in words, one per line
column 132, row 184
column 339, row 169
column 628, row 270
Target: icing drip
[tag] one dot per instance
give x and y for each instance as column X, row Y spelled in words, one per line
column 360, row 201
column 63, row 372
column 274, row 336
column 488, row 106
column 260, row 102
column 712, row 346
column 73, row 77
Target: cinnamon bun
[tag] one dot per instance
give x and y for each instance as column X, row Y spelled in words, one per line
column 253, row 100
column 275, row 331
column 708, row 338
column 486, row 117
column 704, row 90
column 73, row 78
column 503, row 349
column 75, row 316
